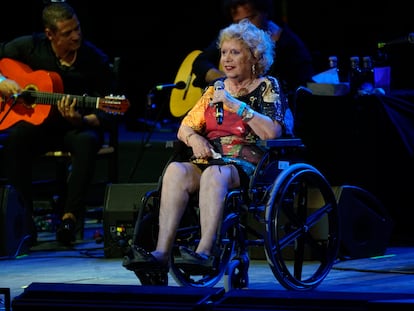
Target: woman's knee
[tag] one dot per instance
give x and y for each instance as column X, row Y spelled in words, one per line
column 217, row 176
column 220, row 172
column 181, row 174
column 174, row 172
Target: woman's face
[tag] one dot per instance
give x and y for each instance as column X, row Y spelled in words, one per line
column 236, row 60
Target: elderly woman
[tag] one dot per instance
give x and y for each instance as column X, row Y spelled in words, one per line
column 222, row 129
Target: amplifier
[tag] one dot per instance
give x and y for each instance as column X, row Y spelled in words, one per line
column 13, row 224
column 121, row 205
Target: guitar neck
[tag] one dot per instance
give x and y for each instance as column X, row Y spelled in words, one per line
column 52, row 99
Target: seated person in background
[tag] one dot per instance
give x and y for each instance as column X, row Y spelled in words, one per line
column 254, row 108
column 293, row 66
column 84, row 69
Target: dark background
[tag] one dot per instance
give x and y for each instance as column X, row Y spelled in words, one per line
column 152, row 38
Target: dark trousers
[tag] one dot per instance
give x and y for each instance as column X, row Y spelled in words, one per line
column 25, row 142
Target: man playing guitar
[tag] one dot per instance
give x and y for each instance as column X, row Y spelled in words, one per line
column 83, row 69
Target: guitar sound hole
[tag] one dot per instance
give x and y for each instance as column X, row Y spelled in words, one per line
column 27, row 97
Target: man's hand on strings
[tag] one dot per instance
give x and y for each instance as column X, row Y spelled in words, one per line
column 67, row 108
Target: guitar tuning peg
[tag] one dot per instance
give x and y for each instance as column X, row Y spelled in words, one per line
column 112, row 96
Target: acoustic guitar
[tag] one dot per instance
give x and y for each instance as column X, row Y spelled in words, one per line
column 42, row 89
column 181, row 101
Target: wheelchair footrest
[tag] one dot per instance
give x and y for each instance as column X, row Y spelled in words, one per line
column 138, row 259
column 152, row 277
column 195, row 264
column 192, row 268
column 145, row 267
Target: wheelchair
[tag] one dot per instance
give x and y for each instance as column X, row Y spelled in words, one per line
column 289, row 209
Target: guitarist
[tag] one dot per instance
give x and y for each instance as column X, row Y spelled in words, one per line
column 83, row 69
column 293, row 65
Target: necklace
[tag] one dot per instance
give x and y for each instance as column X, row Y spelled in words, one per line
column 242, row 90
column 70, row 62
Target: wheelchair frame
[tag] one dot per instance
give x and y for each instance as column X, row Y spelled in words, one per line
column 292, row 203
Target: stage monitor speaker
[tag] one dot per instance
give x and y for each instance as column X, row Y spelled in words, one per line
column 107, row 297
column 365, row 226
column 13, row 225
column 277, row 299
column 121, row 205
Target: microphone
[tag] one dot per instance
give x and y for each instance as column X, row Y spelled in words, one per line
column 179, row 85
column 406, row 39
column 218, row 86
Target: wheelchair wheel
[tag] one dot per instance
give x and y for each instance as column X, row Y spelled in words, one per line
column 301, row 221
column 224, row 250
column 236, row 275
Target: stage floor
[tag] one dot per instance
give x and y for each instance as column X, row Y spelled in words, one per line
column 85, row 263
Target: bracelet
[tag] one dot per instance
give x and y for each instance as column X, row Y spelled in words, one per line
column 2, row 78
column 248, row 115
column 241, row 109
column 188, row 137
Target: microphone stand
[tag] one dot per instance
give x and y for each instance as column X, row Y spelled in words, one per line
column 145, row 139
column 8, row 111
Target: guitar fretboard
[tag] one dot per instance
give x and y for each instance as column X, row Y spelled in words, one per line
column 53, row 98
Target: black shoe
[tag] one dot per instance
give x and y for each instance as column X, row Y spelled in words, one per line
column 195, row 263
column 65, row 233
column 139, row 259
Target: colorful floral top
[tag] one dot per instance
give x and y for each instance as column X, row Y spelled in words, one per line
column 234, row 139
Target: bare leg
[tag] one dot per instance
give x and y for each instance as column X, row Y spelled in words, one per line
column 179, row 180
column 214, row 185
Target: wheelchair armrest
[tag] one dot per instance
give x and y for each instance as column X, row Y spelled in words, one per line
column 281, row 142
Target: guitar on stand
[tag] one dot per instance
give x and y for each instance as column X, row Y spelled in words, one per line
column 42, row 89
column 182, row 100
